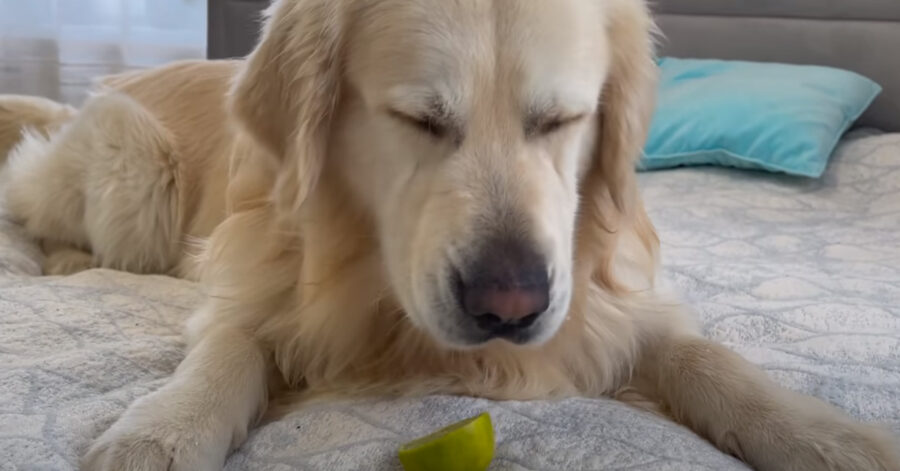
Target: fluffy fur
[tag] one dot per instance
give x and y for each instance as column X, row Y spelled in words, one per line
column 363, row 150
column 36, row 113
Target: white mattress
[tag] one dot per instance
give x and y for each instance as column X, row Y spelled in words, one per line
column 802, row 277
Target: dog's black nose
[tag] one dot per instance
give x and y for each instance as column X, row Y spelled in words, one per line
column 506, row 288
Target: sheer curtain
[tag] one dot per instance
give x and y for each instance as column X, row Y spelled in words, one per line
column 54, row 48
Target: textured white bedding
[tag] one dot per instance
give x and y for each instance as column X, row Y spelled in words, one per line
column 800, row 276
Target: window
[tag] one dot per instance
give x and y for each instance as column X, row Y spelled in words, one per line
column 54, row 48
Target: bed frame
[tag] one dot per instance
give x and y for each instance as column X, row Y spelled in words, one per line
column 858, row 35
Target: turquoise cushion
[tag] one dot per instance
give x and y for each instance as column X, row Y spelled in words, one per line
column 766, row 116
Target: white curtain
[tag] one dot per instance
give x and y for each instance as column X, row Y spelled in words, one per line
column 54, row 48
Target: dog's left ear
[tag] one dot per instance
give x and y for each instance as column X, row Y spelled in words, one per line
column 610, row 204
column 286, row 94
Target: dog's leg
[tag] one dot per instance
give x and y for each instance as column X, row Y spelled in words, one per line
column 65, row 259
column 42, row 190
column 18, row 113
column 132, row 212
column 735, row 405
column 220, row 389
column 194, row 421
column 107, row 180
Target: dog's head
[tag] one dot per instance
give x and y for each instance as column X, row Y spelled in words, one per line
column 492, row 142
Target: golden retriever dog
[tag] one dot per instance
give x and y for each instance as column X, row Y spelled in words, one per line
column 402, row 197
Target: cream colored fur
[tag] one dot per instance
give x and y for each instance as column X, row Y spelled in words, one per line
column 123, row 183
column 331, row 214
column 18, row 112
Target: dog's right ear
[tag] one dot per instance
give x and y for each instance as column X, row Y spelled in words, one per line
column 286, row 94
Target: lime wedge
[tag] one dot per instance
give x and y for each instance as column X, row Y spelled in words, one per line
column 463, row 446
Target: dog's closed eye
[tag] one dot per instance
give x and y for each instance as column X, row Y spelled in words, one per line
column 431, row 125
column 549, row 124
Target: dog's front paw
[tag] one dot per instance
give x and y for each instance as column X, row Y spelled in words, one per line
column 829, row 445
column 148, row 438
column 856, row 446
column 129, row 451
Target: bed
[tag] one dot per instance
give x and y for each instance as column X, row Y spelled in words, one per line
column 800, row 276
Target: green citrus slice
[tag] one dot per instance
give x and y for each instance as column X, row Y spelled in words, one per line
column 463, row 446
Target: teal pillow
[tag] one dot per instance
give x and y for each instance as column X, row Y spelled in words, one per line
column 765, row 116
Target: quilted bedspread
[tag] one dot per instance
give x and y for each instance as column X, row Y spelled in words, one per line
column 800, row 276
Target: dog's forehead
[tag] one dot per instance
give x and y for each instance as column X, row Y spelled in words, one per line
column 460, row 47
column 559, row 48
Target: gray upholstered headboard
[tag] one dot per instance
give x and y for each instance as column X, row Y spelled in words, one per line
column 859, row 35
